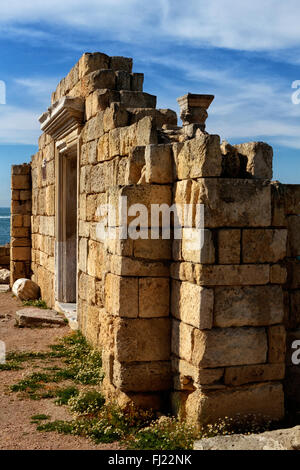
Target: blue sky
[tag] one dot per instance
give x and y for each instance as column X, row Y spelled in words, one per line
column 247, row 55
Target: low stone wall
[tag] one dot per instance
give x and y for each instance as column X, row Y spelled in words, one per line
column 5, row 256
column 20, row 245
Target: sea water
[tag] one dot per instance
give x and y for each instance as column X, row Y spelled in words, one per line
column 4, row 225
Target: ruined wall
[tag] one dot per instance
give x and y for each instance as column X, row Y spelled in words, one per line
column 5, row 256
column 228, row 341
column 206, row 327
column 43, row 218
column 20, row 229
column 123, row 284
column 287, row 213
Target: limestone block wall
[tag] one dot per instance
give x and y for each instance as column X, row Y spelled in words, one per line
column 123, row 284
column 204, row 331
column 43, row 218
column 287, row 212
column 20, row 246
column 5, row 256
column 228, row 334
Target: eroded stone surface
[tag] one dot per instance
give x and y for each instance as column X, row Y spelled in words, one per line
column 283, row 439
column 29, row 317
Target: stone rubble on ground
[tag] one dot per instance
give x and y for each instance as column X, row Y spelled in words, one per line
column 25, row 289
column 29, row 317
column 283, row 439
column 4, row 276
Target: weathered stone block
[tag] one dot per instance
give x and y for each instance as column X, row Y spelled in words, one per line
column 152, row 249
column 293, row 269
column 123, row 140
column 192, row 304
column 136, row 164
column 21, row 181
column 248, row 306
column 121, row 63
column 99, row 100
column 123, row 80
column 259, row 158
column 230, row 275
column 123, row 266
column 158, row 161
column 115, row 116
column 198, row 375
column 229, row 346
column 21, row 253
column 278, row 274
column 263, row 401
column 235, row 376
column 144, row 377
column 153, row 297
column 295, row 308
column 148, row 195
column 228, row 202
column 137, row 99
column 143, row 340
column 100, row 79
column 264, row 245
column 95, row 259
column 163, row 117
column 198, row 157
column 277, row 344
column 219, row 347
column 293, row 235
column 292, row 199
column 91, row 62
column 197, row 246
column 137, row 81
column 229, row 246
column 83, row 254
column 122, row 296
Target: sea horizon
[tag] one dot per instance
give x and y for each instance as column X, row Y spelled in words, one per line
column 4, row 225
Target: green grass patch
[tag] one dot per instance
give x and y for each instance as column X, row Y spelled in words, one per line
column 164, row 434
column 10, row 365
column 81, row 365
column 39, row 303
column 38, row 418
column 65, row 394
column 62, row 427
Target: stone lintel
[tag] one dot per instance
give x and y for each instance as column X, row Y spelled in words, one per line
column 63, row 117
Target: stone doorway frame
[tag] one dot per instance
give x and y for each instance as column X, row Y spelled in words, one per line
column 65, row 291
column 63, row 122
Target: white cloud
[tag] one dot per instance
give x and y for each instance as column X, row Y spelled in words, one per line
column 18, row 125
column 256, row 25
column 38, row 88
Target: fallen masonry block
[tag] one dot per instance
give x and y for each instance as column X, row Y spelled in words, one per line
column 28, row 317
column 282, row 439
column 4, row 288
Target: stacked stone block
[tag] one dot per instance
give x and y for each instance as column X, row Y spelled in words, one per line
column 20, row 246
column 43, row 218
column 287, row 213
column 123, row 284
column 5, row 256
column 205, row 330
column 228, row 337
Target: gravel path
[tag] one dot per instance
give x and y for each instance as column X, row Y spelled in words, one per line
column 16, row 430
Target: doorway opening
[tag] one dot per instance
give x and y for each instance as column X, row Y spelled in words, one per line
column 66, row 248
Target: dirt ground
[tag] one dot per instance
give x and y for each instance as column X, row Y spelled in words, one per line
column 16, row 430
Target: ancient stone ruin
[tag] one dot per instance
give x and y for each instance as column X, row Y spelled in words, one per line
column 201, row 332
